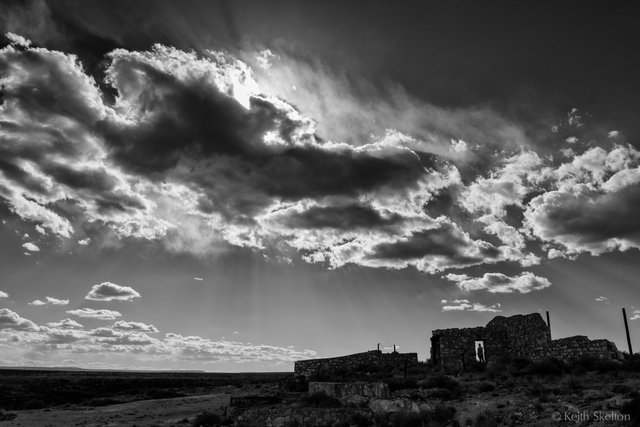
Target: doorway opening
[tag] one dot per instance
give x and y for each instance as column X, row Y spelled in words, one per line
column 480, row 351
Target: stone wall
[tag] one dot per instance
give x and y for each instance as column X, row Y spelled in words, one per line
column 298, row 417
column 519, row 336
column 581, row 346
column 346, row 392
column 322, row 368
column 523, row 336
column 515, row 337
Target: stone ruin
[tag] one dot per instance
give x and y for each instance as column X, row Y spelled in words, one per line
column 318, row 369
column 516, row 337
column 352, row 392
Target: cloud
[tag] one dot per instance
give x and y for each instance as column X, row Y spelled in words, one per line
column 121, row 325
column 435, row 249
column 65, row 324
column 198, row 279
column 199, row 152
column 18, row 40
column 4, row 294
column 635, row 315
column 31, row 247
column 594, row 204
column 100, row 314
column 10, row 320
column 603, row 299
column 127, row 344
column 50, row 301
column 349, row 107
column 499, row 283
column 466, row 305
column 108, row 291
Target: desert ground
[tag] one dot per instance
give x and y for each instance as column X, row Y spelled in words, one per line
column 545, row 393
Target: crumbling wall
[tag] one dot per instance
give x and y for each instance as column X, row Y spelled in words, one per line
column 308, row 417
column 455, row 346
column 516, row 337
column 352, row 389
column 519, row 336
column 319, row 368
column 580, row 346
column 523, row 336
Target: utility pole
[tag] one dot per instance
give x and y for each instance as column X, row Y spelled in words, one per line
column 626, row 328
column 549, row 323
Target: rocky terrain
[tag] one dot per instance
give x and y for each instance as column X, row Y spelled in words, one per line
column 544, row 393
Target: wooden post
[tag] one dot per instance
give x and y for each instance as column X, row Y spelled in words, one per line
column 549, row 323
column 378, row 346
column 626, row 328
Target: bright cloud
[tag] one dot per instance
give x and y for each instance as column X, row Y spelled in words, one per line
column 10, row 320
column 390, row 183
column 65, row 324
column 100, row 314
column 121, row 325
column 500, row 283
column 126, row 340
column 108, row 291
column 50, row 301
column 466, row 305
column 31, row 247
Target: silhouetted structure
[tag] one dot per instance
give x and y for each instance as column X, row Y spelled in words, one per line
column 516, row 337
column 319, row 369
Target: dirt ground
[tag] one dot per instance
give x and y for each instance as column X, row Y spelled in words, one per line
column 158, row 412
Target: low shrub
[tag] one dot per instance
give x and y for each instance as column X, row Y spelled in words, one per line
column 401, row 384
column 485, row 386
column 440, row 415
column 405, row 419
column 443, row 394
column 102, row 401
column 547, row 367
column 632, row 408
column 485, row 419
column 620, row 388
column 7, row 416
column 361, row 420
column 320, row 399
column 206, row 419
column 441, row 381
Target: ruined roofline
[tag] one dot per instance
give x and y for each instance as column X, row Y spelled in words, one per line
column 453, row 330
column 495, row 320
column 344, row 356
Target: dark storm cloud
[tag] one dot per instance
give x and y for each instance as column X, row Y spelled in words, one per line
column 185, row 119
column 589, row 220
column 341, row 217
column 448, row 242
column 314, row 172
column 193, row 153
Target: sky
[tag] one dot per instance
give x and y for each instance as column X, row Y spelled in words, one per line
column 233, row 186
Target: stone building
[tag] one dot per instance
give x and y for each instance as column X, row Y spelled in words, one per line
column 516, row 337
column 314, row 369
